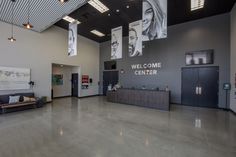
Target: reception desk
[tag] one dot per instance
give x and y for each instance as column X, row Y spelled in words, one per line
column 138, row 97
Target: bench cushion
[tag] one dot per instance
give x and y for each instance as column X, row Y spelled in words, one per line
column 28, row 99
column 14, row 99
column 31, row 95
column 4, row 99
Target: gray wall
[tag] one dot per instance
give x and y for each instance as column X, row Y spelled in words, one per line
column 208, row 33
column 38, row 51
column 233, row 57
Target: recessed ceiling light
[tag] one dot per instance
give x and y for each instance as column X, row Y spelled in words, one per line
column 127, row 6
column 98, row 5
column 109, row 14
column 96, row 32
column 197, row 4
column 117, row 10
column 70, row 19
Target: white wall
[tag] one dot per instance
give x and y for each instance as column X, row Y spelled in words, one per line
column 233, row 59
column 65, row 88
column 38, row 51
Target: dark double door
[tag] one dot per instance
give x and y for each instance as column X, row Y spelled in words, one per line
column 200, row 86
column 109, row 77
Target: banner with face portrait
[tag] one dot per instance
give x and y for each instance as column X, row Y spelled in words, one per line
column 154, row 19
column 135, row 39
column 72, row 41
column 116, row 43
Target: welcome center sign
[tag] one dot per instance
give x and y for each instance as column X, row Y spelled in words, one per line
column 146, row 68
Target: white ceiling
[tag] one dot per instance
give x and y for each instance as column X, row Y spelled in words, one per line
column 44, row 13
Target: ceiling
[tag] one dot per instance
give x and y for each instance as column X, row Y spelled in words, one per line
column 44, row 13
column 178, row 12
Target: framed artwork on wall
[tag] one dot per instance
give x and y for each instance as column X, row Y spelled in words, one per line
column 14, row 78
column 85, row 81
column 57, row 79
column 202, row 57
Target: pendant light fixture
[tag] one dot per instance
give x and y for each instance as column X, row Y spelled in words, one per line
column 12, row 39
column 28, row 25
column 63, row 1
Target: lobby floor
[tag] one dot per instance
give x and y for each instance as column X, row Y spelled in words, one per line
column 92, row 127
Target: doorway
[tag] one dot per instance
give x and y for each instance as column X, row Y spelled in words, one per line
column 109, row 77
column 74, row 84
column 200, row 86
column 65, row 81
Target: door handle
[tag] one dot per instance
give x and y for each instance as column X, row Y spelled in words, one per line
column 200, row 90
column 197, row 90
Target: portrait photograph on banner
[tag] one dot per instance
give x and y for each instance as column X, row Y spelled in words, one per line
column 116, row 43
column 72, row 40
column 154, row 19
column 135, row 39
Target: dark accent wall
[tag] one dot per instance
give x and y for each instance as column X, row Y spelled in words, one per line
column 233, row 57
column 207, row 33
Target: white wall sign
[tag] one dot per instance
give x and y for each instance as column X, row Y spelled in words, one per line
column 154, row 19
column 72, row 41
column 146, row 68
column 135, row 39
column 14, row 78
column 116, row 43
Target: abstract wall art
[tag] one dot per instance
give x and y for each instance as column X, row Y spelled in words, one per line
column 14, row 78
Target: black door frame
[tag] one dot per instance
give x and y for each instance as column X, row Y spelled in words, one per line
column 198, row 68
column 72, row 95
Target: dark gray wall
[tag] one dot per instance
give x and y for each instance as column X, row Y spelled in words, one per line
column 208, row 33
column 233, row 56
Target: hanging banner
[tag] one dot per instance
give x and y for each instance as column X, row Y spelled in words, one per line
column 135, row 39
column 116, row 43
column 72, row 46
column 154, row 19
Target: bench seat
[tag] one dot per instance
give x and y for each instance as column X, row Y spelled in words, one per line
column 4, row 107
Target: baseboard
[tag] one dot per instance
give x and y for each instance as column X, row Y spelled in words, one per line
column 232, row 112
column 175, row 103
column 62, row 97
column 89, row 96
column 225, row 109
column 219, row 108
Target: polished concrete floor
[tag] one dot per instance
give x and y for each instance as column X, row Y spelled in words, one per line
column 92, row 127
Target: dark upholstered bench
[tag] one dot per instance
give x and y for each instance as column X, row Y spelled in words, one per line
column 4, row 99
